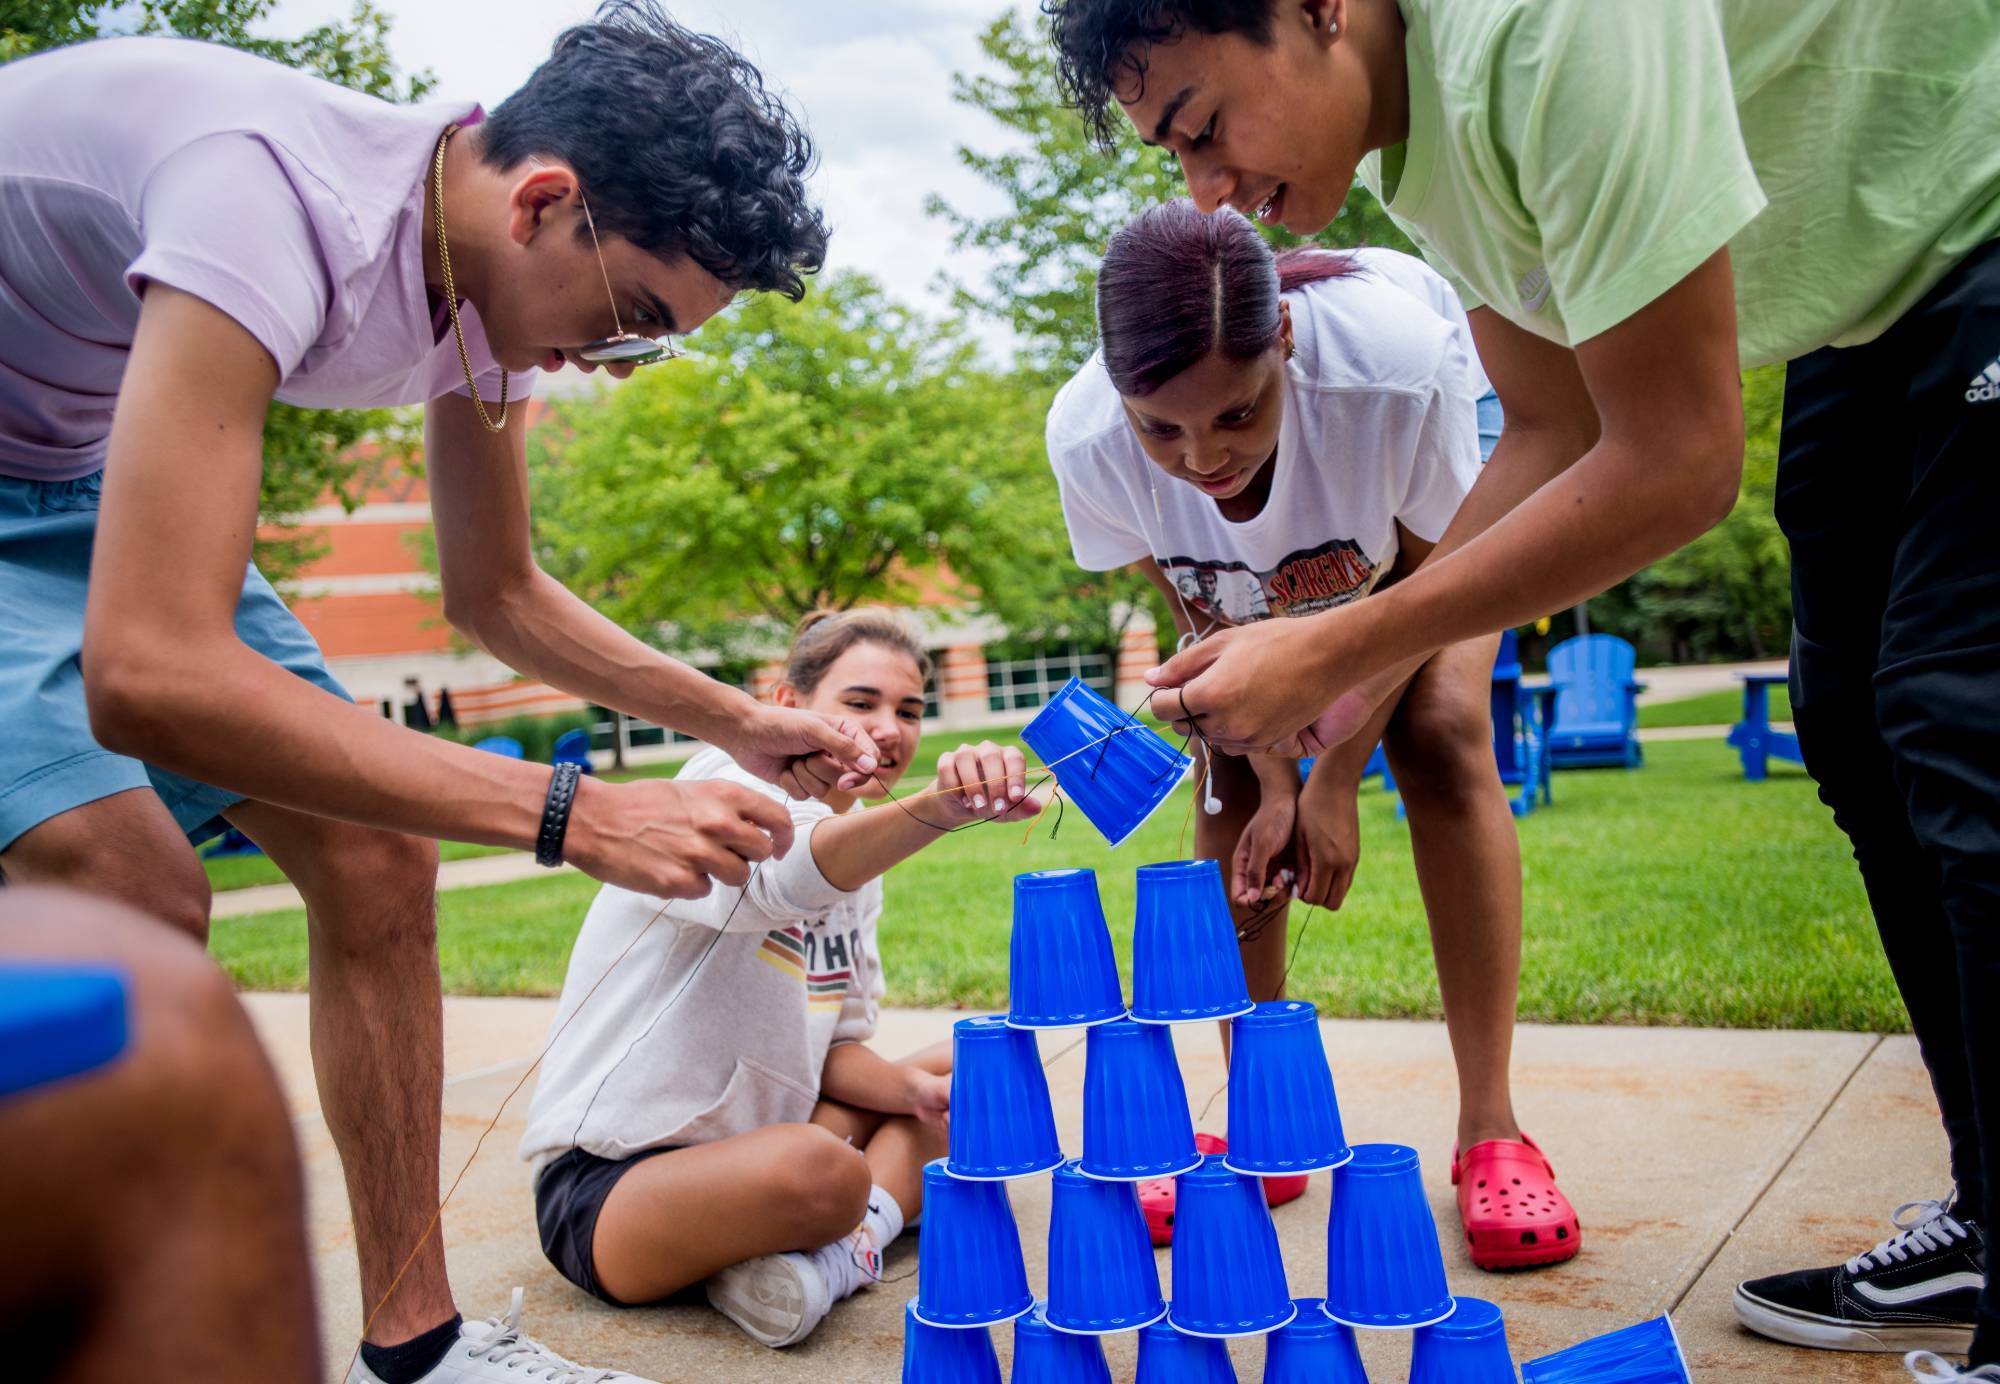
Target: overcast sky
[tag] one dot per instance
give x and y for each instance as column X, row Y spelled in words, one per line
column 871, row 77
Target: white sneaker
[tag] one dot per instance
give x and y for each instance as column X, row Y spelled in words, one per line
column 1935, row 1369
column 779, row 1298
column 497, row 1349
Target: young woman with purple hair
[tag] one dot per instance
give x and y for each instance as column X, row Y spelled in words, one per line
column 1275, row 435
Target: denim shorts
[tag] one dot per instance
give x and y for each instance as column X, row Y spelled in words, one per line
column 49, row 763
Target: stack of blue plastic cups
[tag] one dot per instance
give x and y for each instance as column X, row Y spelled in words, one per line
column 1313, row 1348
column 1186, row 964
column 936, row 1355
column 1384, row 1268
column 1649, row 1353
column 1468, row 1347
column 1112, row 765
column 1167, row 1356
column 1043, row 1355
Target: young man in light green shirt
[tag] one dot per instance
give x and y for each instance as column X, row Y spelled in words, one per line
column 1636, row 198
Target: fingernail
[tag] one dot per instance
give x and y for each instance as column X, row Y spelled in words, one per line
column 979, row 800
column 867, row 763
column 1151, row 675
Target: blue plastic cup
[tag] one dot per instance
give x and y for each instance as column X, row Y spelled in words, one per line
column 1135, row 1111
column 1312, row 1349
column 1167, row 1356
column 1002, row 1124
column 1229, row 1279
column 1110, row 763
column 1045, row 1356
column 1185, row 961
column 1468, row 1347
column 58, row 1021
column 969, row 1266
column 1283, row 1115
column 1061, row 973
column 1102, row 1274
column 1649, row 1353
column 1384, row 1269
column 934, row 1355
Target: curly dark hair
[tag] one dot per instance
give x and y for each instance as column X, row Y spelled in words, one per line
column 677, row 142
column 1103, row 43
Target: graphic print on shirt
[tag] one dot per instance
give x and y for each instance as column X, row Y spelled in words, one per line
column 1303, row 583
column 823, row 961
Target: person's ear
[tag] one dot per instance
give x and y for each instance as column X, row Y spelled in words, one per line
column 784, row 694
column 1326, row 18
column 535, row 195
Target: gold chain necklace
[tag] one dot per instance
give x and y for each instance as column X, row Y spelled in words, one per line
column 451, row 294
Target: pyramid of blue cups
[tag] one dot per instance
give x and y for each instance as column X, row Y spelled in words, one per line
column 1384, row 1265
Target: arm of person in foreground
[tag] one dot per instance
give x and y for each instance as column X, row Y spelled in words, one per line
column 499, row 597
column 855, row 1074
column 169, row 682
column 1536, row 533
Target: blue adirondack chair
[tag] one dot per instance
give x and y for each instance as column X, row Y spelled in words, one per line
column 573, row 747
column 501, row 744
column 1597, row 704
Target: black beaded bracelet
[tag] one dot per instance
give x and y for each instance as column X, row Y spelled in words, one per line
column 555, row 814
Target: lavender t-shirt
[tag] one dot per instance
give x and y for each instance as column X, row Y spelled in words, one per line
column 293, row 205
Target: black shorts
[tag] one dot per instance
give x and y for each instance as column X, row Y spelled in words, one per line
column 569, row 1193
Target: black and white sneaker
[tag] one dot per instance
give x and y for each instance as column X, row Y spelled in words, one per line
column 1914, row 1291
column 1927, row 1368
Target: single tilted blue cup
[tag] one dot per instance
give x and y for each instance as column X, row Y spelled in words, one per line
column 1468, row 1347
column 1384, row 1269
column 1228, row 1277
column 1002, row 1124
column 969, row 1266
column 1135, row 1110
column 1061, row 973
column 1167, row 1356
column 1283, row 1115
column 1110, row 764
column 1185, row 961
column 1102, row 1274
column 1649, row 1353
column 1046, row 1356
column 938, row 1355
column 1312, row 1348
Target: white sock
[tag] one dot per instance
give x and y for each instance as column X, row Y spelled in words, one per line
column 848, row 1264
column 884, row 1220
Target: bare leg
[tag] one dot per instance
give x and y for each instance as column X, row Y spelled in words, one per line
column 678, row 1218
column 1260, row 928
column 896, row 1146
column 377, row 1042
column 125, row 847
column 154, row 1209
column 1468, row 859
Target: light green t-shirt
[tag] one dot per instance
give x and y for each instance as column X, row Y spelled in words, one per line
column 1568, row 161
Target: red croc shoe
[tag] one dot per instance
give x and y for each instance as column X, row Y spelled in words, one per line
column 1156, row 1195
column 1515, row 1216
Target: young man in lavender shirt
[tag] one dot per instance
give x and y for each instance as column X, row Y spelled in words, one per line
column 187, row 233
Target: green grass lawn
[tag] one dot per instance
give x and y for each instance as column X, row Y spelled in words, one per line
column 1677, row 894
column 1723, row 708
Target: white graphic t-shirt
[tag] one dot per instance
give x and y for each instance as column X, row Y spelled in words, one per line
column 1379, row 426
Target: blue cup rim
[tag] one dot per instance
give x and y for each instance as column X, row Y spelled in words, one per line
column 955, row 1174
column 1279, row 1325
column 1138, row 1177
column 1291, row 1169
column 1266, row 1014
column 1312, row 1320
column 1203, row 1016
column 1469, row 1320
column 1196, row 865
column 1046, row 879
column 916, row 1312
column 1383, row 1160
column 1451, row 1306
column 1064, row 1021
column 1109, row 1330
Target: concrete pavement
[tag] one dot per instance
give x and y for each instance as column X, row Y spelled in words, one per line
column 1695, row 1157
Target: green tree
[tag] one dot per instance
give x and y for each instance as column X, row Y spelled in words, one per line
column 307, row 452
column 838, row 452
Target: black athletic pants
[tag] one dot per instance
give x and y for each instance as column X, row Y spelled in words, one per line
column 1889, row 491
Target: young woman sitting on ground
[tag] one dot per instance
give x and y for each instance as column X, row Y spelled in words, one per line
column 713, row 1112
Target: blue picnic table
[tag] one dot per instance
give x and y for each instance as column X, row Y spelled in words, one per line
column 1752, row 738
